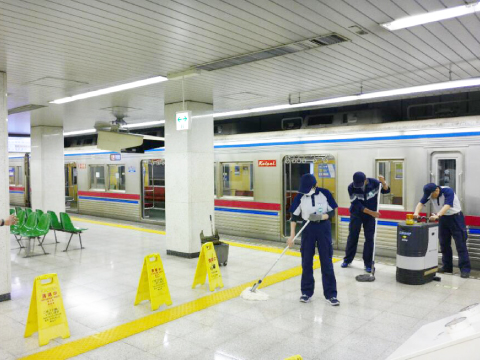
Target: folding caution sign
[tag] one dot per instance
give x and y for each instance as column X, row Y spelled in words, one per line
column 153, row 283
column 47, row 314
column 208, row 264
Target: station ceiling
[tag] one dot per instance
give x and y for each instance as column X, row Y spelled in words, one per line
column 55, row 48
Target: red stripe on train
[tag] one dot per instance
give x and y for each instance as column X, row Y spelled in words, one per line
column 248, row 205
column 401, row 216
column 16, row 188
column 109, row 195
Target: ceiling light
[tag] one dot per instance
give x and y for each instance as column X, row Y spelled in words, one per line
column 80, row 132
column 432, row 16
column 374, row 95
column 112, row 89
column 144, row 124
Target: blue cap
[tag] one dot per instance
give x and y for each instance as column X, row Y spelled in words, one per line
column 307, row 182
column 428, row 189
column 359, row 179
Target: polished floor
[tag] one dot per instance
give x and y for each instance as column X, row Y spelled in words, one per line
column 99, row 286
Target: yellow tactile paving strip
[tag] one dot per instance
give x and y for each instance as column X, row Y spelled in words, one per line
column 95, row 341
column 129, row 227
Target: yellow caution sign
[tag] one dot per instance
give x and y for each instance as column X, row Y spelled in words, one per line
column 47, row 314
column 153, row 283
column 208, row 264
column 295, row 357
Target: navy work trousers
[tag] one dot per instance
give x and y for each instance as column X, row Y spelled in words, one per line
column 356, row 222
column 454, row 225
column 318, row 235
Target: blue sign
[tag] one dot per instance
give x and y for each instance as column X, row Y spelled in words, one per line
column 131, row 169
column 326, row 171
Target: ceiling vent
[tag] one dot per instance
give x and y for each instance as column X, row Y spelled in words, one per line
column 29, row 107
column 324, row 40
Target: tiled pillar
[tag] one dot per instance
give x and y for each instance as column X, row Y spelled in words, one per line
column 189, row 179
column 5, row 266
column 47, row 176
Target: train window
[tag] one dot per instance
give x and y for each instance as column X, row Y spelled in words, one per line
column 116, row 177
column 11, row 175
column 393, row 172
column 19, row 174
column 97, row 177
column 215, row 179
column 238, row 179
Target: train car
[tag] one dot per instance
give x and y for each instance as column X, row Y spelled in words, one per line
column 18, row 180
column 256, row 176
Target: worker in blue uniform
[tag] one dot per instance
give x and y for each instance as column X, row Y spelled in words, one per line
column 317, row 205
column 447, row 210
column 363, row 194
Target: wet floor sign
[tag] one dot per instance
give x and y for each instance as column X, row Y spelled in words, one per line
column 208, row 264
column 47, row 314
column 153, row 284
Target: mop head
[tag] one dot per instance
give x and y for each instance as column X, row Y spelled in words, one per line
column 365, row 278
column 248, row 294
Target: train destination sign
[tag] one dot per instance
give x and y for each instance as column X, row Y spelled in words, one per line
column 267, row 163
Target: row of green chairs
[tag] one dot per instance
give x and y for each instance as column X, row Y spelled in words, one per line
column 27, row 220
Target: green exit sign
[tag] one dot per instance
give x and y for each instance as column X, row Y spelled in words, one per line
column 183, row 119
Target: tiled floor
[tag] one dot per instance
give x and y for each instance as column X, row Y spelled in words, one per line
column 99, row 285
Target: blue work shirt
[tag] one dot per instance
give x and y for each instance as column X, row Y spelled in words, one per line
column 320, row 202
column 365, row 198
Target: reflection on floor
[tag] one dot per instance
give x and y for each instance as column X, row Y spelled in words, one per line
column 99, row 285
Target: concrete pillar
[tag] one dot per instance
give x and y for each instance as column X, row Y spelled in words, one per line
column 5, row 265
column 47, row 176
column 189, row 178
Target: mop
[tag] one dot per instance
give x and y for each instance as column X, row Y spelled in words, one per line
column 371, row 277
column 251, row 293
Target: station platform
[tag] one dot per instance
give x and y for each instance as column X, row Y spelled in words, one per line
column 99, row 285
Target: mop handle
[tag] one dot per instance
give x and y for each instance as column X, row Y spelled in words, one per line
column 376, row 223
column 283, row 252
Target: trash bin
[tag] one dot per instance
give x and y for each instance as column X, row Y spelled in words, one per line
column 222, row 253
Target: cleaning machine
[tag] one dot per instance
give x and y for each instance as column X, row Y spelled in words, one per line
column 417, row 252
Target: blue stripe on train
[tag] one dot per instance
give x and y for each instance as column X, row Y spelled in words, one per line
column 16, row 192
column 380, row 222
column 474, row 231
column 256, row 212
column 108, row 199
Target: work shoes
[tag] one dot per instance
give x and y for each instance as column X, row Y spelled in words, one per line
column 333, row 301
column 465, row 275
column 442, row 270
column 344, row 264
column 305, row 298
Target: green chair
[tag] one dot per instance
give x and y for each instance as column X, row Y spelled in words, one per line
column 55, row 224
column 15, row 229
column 40, row 231
column 17, row 209
column 39, row 213
column 28, row 211
column 12, row 211
column 30, row 223
column 70, row 228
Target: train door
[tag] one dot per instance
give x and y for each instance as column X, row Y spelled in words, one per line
column 323, row 167
column 26, row 192
column 447, row 170
column 71, row 187
column 153, row 180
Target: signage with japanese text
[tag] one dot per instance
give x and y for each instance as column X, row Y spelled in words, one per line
column 267, row 163
column 183, row 119
column 208, row 265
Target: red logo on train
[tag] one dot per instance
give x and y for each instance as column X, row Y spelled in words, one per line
column 267, row 163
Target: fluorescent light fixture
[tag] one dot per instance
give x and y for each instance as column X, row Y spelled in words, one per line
column 432, row 16
column 374, row 95
column 144, row 124
column 80, row 132
column 112, row 89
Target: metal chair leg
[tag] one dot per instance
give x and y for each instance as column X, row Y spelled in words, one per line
column 55, row 233
column 80, row 238
column 71, row 235
column 41, row 244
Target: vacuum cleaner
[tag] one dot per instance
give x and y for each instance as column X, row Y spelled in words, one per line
column 417, row 252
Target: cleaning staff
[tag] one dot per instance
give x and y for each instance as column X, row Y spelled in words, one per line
column 447, row 210
column 318, row 206
column 363, row 211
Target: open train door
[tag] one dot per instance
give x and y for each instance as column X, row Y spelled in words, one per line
column 153, row 190
column 26, row 192
column 71, row 187
column 323, row 167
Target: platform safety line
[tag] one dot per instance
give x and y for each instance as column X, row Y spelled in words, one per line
column 123, row 331
column 129, row 227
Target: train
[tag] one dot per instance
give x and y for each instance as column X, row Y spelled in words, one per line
column 257, row 176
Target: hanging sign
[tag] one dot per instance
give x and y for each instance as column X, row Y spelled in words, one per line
column 47, row 314
column 153, row 283
column 183, row 119
column 267, row 163
column 208, row 264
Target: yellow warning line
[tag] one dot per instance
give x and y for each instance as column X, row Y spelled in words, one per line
column 92, row 342
column 120, row 226
column 264, row 248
